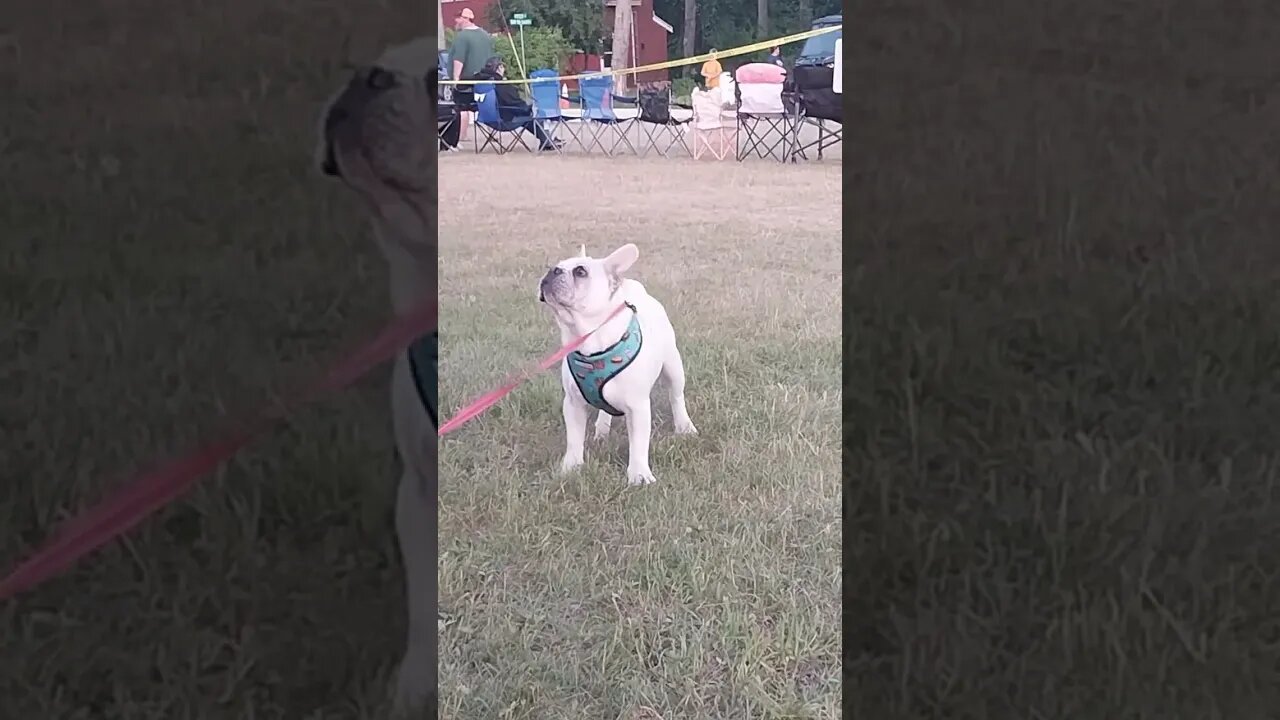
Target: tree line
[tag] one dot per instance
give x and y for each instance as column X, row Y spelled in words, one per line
column 699, row 24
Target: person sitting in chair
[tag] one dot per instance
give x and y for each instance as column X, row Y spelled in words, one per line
column 512, row 108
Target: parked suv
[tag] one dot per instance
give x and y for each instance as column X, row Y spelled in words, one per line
column 821, row 49
column 809, row 84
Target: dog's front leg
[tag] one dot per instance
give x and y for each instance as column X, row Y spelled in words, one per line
column 575, row 432
column 416, row 530
column 639, row 428
column 603, row 419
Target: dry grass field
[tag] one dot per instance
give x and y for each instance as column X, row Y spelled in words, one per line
column 713, row 593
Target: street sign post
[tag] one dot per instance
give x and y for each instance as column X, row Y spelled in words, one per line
column 520, row 20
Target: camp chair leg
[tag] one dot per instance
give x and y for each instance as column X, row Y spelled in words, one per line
column 621, row 138
column 521, row 137
column 725, row 142
column 596, row 130
column 827, row 136
column 680, row 136
column 766, row 137
column 646, row 131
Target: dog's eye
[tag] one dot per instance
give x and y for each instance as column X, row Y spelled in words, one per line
column 379, row 79
column 580, row 272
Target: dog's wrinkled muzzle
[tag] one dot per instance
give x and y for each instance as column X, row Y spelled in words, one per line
column 333, row 119
column 362, row 86
column 548, row 283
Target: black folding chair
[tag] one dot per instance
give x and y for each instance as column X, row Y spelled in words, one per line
column 656, row 120
column 812, row 103
column 448, row 125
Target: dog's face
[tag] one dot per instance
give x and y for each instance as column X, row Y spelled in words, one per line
column 376, row 136
column 585, row 285
column 373, row 130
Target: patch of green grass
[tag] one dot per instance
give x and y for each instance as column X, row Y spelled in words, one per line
column 712, row 593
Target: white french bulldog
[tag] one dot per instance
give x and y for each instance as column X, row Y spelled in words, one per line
column 378, row 138
column 615, row 370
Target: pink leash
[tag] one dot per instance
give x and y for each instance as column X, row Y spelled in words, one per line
column 491, row 398
column 159, row 487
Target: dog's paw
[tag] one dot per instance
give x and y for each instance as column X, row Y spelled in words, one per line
column 684, row 426
column 641, row 477
column 569, row 464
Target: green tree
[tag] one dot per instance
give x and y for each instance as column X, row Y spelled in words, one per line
column 728, row 23
column 544, row 47
column 581, row 22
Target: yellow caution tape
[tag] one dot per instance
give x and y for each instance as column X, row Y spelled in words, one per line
column 734, row 52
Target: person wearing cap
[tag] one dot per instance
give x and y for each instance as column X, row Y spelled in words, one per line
column 472, row 46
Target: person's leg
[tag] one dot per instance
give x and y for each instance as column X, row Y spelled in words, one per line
column 535, row 127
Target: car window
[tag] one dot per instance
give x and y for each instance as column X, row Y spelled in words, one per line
column 821, row 48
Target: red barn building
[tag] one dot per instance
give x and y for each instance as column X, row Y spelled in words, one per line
column 649, row 42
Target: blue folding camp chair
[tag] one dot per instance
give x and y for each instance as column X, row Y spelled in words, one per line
column 598, row 115
column 545, row 90
column 503, row 135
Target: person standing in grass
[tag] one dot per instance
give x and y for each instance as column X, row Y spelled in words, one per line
column 711, row 71
column 775, row 56
column 472, row 46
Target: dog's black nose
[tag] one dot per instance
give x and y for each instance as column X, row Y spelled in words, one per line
column 329, row 165
column 542, row 286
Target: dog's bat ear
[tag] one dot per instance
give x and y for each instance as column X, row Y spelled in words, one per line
column 622, row 258
column 582, row 252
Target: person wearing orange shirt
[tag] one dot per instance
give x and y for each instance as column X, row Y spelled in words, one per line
column 711, row 71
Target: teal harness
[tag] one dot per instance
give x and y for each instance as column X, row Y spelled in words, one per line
column 593, row 372
column 422, row 362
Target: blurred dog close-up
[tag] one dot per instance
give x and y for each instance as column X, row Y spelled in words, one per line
column 375, row 140
column 177, row 262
